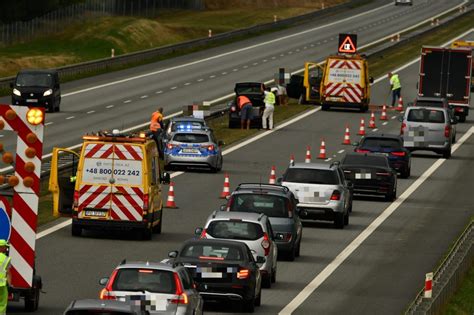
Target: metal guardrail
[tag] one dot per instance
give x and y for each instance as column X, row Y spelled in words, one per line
column 141, row 56
column 448, row 276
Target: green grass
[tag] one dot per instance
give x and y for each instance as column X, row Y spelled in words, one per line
column 462, row 302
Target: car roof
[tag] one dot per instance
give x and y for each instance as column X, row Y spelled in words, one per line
column 47, row 71
column 194, row 131
column 382, row 135
column 215, row 242
column 316, row 166
column 371, row 154
column 244, row 216
column 143, row 264
column 266, row 189
column 109, row 305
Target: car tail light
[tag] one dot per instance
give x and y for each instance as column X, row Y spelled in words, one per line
column 402, row 128
column 336, row 195
column 146, row 202
column 106, row 293
column 203, row 233
column 266, row 244
column 243, row 274
column 76, row 199
column 182, row 297
column 362, row 151
column 210, row 147
column 398, row 153
column 170, row 146
column 382, row 174
column 447, row 131
column 458, row 109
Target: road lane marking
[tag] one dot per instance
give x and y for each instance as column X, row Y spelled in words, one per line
column 187, row 83
column 360, row 239
column 374, row 130
column 385, row 123
column 109, row 106
column 200, row 80
column 127, row 101
column 143, row 96
column 212, row 76
column 328, row 159
column 158, row 92
column 173, row 88
column 224, row 73
column 70, row 117
column 46, row 124
column 341, row 151
column 393, row 117
column 91, row 112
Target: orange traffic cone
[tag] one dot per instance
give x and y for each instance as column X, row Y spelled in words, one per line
column 399, row 107
column 273, row 177
column 372, row 121
column 308, row 155
column 322, row 150
column 170, row 203
column 362, row 127
column 347, row 136
column 292, row 159
column 384, row 113
column 226, row 189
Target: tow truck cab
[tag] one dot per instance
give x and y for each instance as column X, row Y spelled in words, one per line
column 114, row 184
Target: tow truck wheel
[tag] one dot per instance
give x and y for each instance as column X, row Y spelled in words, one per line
column 76, row 230
column 32, row 298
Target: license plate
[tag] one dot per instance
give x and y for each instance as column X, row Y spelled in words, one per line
column 211, row 275
column 334, row 99
column 363, row 176
column 92, row 213
column 31, row 100
column 190, row 151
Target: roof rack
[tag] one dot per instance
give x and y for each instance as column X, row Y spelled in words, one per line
column 262, row 186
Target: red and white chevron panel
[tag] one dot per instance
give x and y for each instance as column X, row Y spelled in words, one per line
column 99, row 150
column 25, row 199
column 345, row 64
column 128, row 152
column 125, row 203
column 121, row 151
column 351, row 93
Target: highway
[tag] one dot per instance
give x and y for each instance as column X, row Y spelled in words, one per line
column 126, row 98
column 380, row 274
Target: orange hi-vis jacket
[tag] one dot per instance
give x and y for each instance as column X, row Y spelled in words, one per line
column 242, row 100
column 156, row 120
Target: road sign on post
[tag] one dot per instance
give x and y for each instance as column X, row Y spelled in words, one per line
column 5, row 224
column 347, row 44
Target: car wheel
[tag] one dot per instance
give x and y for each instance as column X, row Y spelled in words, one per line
column 405, row 173
column 267, row 281
column 447, row 153
column 462, row 118
column 157, row 228
column 258, row 300
column 298, row 249
column 346, row 219
column 249, row 305
column 391, row 196
column 32, row 300
column 291, row 254
column 76, row 230
column 339, row 220
column 274, row 275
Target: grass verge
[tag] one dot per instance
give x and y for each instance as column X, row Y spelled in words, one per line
column 462, row 302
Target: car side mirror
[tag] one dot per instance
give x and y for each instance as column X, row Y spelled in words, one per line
column 279, row 180
column 371, row 80
column 165, row 178
column 223, row 207
column 261, row 260
column 103, row 281
column 173, row 254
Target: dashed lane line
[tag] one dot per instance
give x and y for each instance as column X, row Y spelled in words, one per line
column 70, row 117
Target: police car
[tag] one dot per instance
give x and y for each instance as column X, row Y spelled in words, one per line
column 189, row 146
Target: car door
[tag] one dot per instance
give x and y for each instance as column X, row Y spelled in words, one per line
column 274, row 249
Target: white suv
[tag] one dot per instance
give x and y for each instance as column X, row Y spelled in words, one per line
column 254, row 229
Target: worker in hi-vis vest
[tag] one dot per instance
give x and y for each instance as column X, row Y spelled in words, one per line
column 4, row 276
column 395, row 86
column 156, row 127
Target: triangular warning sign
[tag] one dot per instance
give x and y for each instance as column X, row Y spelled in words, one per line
column 347, row 46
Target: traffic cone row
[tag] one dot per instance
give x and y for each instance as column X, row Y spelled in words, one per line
column 170, row 203
column 383, row 116
column 372, row 121
column 273, row 178
column 322, row 150
column 362, row 127
column 399, row 107
column 226, row 189
column 347, row 136
column 308, row 155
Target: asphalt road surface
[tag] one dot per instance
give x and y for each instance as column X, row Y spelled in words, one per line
column 381, row 275
column 127, row 98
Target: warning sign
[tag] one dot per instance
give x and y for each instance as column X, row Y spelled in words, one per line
column 347, row 43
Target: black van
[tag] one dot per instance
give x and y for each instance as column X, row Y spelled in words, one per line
column 37, row 88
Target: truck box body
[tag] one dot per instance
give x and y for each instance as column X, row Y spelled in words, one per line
column 446, row 73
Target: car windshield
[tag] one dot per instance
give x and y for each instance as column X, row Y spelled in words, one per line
column 212, row 252
column 311, row 176
column 363, row 159
column 270, row 205
column 381, row 143
column 426, row 115
column 246, row 89
column 190, row 138
column 144, row 279
column 95, row 311
column 34, row 79
column 235, row 230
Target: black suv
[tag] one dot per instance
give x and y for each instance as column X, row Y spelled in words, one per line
column 253, row 90
column 37, row 88
column 279, row 204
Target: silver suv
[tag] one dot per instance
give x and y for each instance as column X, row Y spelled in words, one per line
column 322, row 191
column 254, row 229
column 428, row 128
column 158, row 287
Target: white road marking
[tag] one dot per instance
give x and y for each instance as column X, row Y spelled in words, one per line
column 158, row 92
column 143, row 96
column 274, row 57
column 328, row 159
column 187, row 83
column 70, row 117
column 212, row 76
column 91, row 112
column 235, row 70
column 46, row 124
column 224, row 73
column 341, row 151
column 245, row 67
column 173, row 88
column 393, row 117
column 282, row 55
column 109, row 106
column 127, row 101
column 374, row 130
column 359, row 240
column 385, row 123
column 200, row 80
column 290, row 52
column 264, row 60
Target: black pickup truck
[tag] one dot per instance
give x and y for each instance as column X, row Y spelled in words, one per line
column 253, row 90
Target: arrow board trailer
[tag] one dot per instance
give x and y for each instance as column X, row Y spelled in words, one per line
column 446, row 73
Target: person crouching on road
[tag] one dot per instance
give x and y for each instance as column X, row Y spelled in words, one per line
column 4, row 276
column 156, row 127
column 269, row 108
column 245, row 106
column 395, row 86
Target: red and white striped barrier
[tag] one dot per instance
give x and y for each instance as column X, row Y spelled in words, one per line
column 28, row 123
column 428, row 285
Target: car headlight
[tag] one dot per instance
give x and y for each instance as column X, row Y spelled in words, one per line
column 48, row 92
column 16, row 92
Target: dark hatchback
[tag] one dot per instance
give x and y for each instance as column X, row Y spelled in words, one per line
column 223, row 271
column 279, row 204
column 253, row 90
column 37, row 88
column 371, row 174
column 399, row 158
